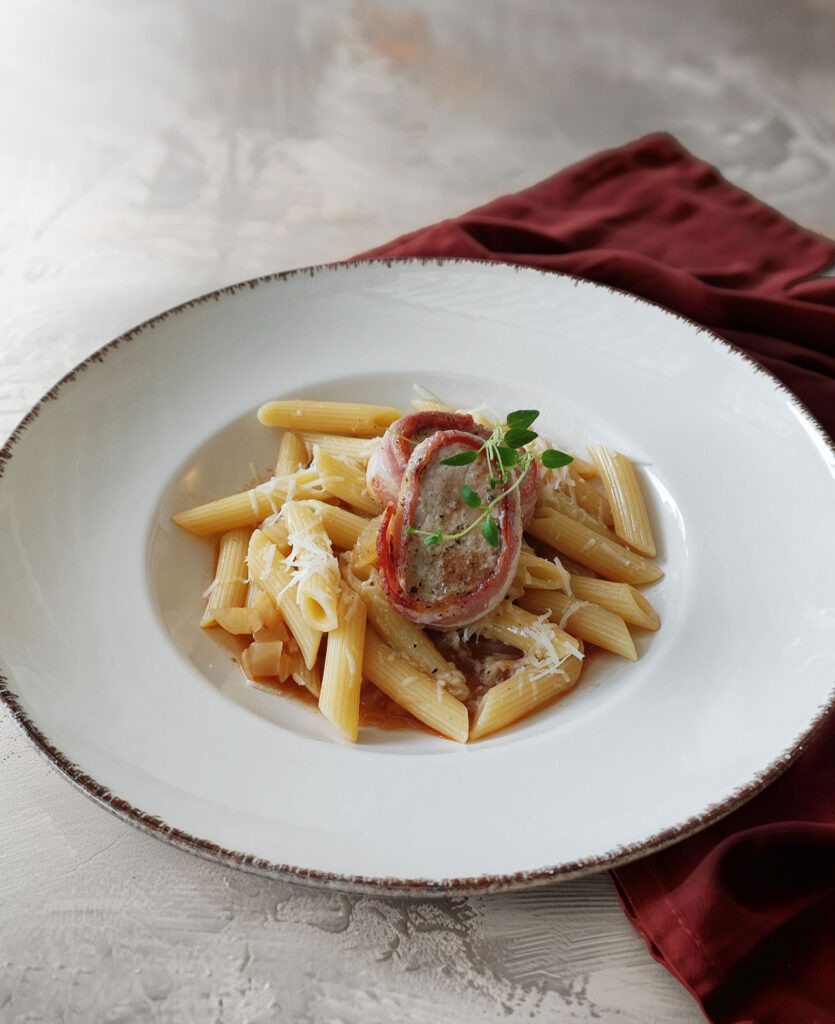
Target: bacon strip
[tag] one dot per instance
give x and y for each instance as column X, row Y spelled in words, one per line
column 454, row 582
column 388, row 462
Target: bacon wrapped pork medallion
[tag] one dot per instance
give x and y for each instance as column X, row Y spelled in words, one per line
column 436, row 568
column 457, row 497
column 388, row 463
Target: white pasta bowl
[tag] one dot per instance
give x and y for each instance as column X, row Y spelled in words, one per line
column 106, row 669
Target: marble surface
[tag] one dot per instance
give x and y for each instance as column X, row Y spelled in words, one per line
column 153, row 151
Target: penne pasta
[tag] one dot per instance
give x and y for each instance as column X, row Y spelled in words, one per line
column 512, row 625
column 525, row 691
column 275, row 528
column 364, row 554
column 629, row 510
column 353, row 418
column 270, row 571
column 292, row 455
column 409, row 640
column 248, row 508
column 344, row 480
column 339, row 699
column 297, row 669
column 539, row 573
column 602, row 554
column 413, row 690
column 588, row 621
column 563, row 502
column 316, row 570
column 358, row 448
column 343, row 527
column 620, row 598
column 587, row 497
column 228, row 590
column 581, row 469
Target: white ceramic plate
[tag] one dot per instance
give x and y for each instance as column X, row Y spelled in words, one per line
column 109, row 674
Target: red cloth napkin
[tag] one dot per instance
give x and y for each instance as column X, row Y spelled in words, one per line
column 744, row 912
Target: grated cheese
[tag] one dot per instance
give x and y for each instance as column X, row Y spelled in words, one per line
column 310, row 555
column 573, row 606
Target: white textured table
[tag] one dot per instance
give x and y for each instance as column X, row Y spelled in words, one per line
column 154, row 151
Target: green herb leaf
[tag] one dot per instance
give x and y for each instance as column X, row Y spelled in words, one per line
column 470, row 497
column 494, row 482
column 522, row 418
column 553, row 459
column 490, row 532
column 508, row 456
column 433, row 538
column 519, row 438
column 461, row 459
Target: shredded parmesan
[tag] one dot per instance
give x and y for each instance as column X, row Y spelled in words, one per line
column 310, row 555
column 573, row 606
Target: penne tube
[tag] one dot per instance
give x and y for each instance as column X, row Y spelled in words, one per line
column 249, row 508
column 581, row 469
column 344, row 480
column 353, row 418
column 525, row 691
column 629, row 509
column 275, row 528
column 512, row 625
column 364, row 553
column 292, row 455
column 537, row 573
column 343, row 527
column 339, row 698
column 602, row 554
column 308, row 676
column 589, row 622
column 563, row 502
column 228, row 589
column 413, row 690
column 625, row 601
column 357, row 448
column 590, row 499
column 409, row 640
column 270, row 571
column 317, row 571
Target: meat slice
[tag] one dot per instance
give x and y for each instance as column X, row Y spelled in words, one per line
column 454, row 582
column 388, row 462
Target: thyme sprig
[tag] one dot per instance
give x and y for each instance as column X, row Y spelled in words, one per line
column 504, row 450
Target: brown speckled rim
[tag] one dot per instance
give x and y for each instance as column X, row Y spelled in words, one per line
column 422, row 887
